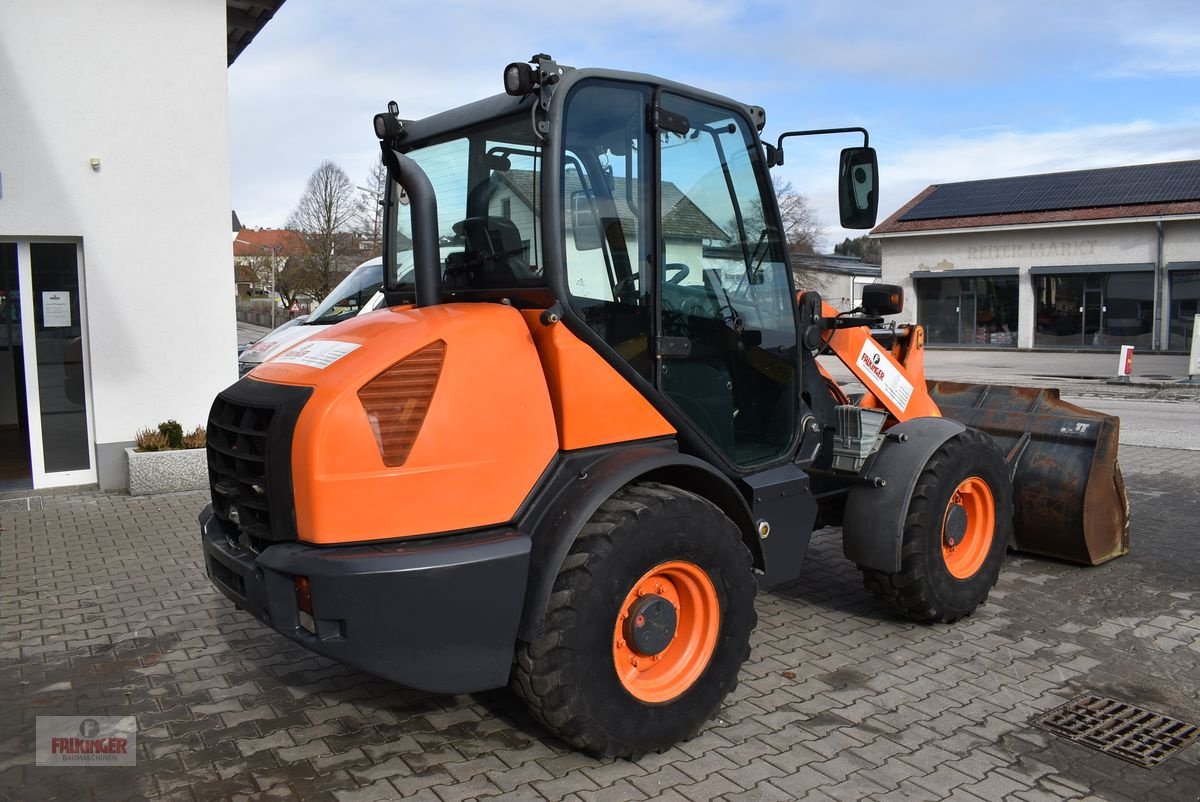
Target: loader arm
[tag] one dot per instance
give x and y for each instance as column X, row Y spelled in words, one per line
column 1062, row 459
column 894, row 378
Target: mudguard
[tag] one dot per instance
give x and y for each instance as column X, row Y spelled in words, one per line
column 582, row 481
column 873, row 525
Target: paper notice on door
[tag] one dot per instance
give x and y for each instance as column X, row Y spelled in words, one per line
column 318, row 354
column 56, row 309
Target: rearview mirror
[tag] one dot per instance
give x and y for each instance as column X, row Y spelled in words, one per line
column 858, row 191
column 584, row 229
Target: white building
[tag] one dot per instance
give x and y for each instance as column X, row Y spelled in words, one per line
column 1092, row 259
column 116, row 300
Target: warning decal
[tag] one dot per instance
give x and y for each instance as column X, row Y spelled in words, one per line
column 880, row 371
column 318, row 354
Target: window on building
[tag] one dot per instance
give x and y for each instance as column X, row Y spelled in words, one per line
column 968, row 310
column 1101, row 310
column 1184, row 305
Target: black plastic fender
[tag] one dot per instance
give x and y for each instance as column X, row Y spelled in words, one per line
column 582, row 481
column 873, row 525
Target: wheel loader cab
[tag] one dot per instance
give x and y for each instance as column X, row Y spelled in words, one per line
column 648, row 215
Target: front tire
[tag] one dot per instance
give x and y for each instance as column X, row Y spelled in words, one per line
column 956, row 533
column 647, row 627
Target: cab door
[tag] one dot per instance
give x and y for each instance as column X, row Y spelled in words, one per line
column 725, row 307
column 674, row 259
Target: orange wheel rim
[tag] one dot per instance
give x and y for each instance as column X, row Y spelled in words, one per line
column 968, row 527
column 664, row 675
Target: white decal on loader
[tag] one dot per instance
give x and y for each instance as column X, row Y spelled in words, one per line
column 318, row 354
column 880, row 372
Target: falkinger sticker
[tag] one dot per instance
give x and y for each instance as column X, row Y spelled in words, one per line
column 883, row 374
column 86, row 741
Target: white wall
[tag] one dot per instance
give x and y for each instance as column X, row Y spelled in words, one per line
column 140, row 85
column 1181, row 241
column 1096, row 244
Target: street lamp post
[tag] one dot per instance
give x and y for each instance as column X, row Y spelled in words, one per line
column 274, row 249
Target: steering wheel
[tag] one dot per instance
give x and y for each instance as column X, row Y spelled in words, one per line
column 681, row 272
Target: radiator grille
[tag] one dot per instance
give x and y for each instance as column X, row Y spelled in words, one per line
column 237, row 466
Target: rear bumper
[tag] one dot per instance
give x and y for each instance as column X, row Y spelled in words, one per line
column 438, row 615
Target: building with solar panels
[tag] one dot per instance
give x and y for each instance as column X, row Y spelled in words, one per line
column 1089, row 259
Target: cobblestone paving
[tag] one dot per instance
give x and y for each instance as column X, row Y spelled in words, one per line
column 105, row 610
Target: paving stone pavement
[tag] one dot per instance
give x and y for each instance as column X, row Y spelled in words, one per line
column 105, row 610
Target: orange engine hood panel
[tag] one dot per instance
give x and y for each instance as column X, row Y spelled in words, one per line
column 488, row 435
column 594, row 404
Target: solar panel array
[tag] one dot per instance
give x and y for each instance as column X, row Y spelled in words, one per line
column 1080, row 189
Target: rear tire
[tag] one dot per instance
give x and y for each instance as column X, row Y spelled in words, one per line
column 587, row 679
column 956, row 533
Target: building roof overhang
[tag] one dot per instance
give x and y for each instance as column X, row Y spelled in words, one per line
column 244, row 19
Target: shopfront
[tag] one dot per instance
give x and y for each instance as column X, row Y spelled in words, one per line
column 1080, row 260
column 970, row 307
column 1094, row 306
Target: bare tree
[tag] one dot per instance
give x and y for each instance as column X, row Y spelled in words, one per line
column 259, row 269
column 801, row 227
column 323, row 216
column 369, row 213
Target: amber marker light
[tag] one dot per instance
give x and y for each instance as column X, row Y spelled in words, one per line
column 397, row 400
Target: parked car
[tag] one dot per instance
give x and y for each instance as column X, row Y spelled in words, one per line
column 358, row 294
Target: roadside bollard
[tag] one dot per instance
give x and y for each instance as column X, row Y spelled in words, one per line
column 1125, row 366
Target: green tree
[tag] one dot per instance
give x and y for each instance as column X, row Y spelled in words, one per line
column 865, row 248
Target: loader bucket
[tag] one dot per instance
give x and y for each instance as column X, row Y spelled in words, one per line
column 1067, row 485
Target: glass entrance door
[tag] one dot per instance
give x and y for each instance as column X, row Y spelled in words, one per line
column 41, row 322
column 1093, row 315
column 966, row 318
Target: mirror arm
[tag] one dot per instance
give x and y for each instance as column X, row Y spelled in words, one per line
column 817, row 132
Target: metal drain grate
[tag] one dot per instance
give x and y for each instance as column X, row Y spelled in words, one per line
column 1119, row 729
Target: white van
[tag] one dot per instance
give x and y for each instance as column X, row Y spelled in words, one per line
column 358, row 294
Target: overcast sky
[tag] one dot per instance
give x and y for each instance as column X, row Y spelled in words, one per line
column 950, row 91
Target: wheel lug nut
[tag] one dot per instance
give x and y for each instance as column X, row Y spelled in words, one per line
column 659, row 588
column 620, row 644
column 633, row 661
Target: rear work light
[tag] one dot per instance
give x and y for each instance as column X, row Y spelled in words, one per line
column 397, row 400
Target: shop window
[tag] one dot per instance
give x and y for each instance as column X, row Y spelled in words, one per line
column 1185, row 305
column 978, row 310
column 1102, row 310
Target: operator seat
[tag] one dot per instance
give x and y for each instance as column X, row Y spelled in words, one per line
column 494, row 256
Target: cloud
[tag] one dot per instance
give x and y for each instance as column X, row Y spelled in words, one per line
column 306, row 88
column 907, row 168
column 1165, row 51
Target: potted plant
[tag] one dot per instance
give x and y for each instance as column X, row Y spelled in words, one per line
column 166, row 460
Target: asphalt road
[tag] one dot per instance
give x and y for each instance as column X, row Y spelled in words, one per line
column 1157, row 424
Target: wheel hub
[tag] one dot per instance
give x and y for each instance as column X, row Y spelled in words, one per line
column 955, row 528
column 651, row 625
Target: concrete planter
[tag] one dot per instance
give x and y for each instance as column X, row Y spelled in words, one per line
column 167, row 471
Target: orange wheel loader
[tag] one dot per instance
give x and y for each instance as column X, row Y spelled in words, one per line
column 591, row 424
